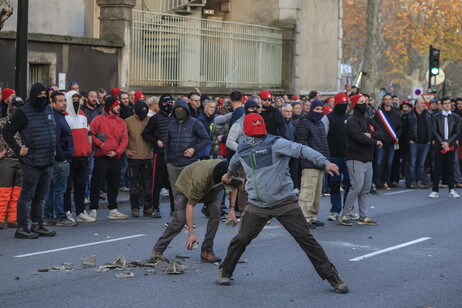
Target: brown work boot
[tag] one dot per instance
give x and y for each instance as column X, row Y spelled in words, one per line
column 209, row 257
column 135, row 212
column 337, row 283
column 157, row 256
column 147, row 212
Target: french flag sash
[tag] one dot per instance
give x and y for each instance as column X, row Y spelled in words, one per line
column 387, row 125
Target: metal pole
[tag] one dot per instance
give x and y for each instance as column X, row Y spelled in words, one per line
column 429, row 70
column 21, row 49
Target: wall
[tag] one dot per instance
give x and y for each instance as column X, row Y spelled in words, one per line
column 319, row 49
column 60, row 17
column 93, row 63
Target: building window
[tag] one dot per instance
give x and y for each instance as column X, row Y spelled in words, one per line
column 39, row 73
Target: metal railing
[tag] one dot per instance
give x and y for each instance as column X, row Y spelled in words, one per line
column 172, row 50
column 163, row 6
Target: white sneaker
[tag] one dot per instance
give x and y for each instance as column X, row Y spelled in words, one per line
column 124, row 188
column 333, row 216
column 435, row 195
column 69, row 216
column 86, row 201
column 453, row 194
column 115, row 214
column 84, row 217
column 164, row 192
column 93, row 214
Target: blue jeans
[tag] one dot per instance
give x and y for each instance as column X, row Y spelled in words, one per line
column 383, row 164
column 418, row 153
column 335, row 182
column 54, row 205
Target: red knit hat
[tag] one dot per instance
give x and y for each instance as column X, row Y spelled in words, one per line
column 327, row 109
column 138, row 95
column 265, row 94
column 354, row 99
column 115, row 92
column 7, row 93
column 340, row 98
column 251, row 129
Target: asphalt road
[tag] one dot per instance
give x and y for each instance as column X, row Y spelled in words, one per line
column 277, row 274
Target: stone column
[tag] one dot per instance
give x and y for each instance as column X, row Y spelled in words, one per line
column 115, row 25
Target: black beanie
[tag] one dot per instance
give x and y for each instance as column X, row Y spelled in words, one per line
column 108, row 102
column 220, row 169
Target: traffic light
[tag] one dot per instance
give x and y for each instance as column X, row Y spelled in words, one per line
column 434, row 66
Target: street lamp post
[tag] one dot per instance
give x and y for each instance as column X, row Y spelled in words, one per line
column 21, row 48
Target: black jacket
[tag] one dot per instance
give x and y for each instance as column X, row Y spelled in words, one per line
column 156, row 130
column 454, row 127
column 274, row 121
column 410, row 125
column 182, row 136
column 394, row 117
column 359, row 146
column 312, row 134
column 336, row 137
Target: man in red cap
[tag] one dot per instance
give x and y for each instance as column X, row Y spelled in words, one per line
column 264, row 158
column 362, row 135
column 273, row 117
column 7, row 97
column 110, row 138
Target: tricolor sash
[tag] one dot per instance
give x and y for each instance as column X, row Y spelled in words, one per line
column 387, row 125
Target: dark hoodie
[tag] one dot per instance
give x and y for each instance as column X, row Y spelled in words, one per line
column 37, row 126
column 182, row 136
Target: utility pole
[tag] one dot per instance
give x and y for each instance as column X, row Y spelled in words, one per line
column 21, row 49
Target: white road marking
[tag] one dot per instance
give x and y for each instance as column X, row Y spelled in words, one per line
column 390, row 249
column 398, row 192
column 78, row 246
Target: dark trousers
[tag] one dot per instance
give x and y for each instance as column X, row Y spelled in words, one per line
column 252, row 222
column 295, row 171
column 108, row 169
column 78, row 177
column 179, row 220
column 35, row 183
column 444, row 167
column 140, row 182
column 160, row 180
column 335, row 183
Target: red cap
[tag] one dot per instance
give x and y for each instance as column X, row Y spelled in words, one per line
column 138, row 95
column 265, row 94
column 340, row 98
column 7, row 93
column 251, row 129
column 115, row 92
column 295, row 98
column 327, row 109
column 354, row 99
column 245, row 98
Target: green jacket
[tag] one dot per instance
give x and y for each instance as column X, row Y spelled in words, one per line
column 196, row 182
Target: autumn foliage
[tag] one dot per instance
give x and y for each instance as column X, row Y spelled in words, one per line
column 408, row 28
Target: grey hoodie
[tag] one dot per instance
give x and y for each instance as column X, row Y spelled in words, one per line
column 266, row 165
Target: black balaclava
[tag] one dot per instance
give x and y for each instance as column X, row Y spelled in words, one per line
column 340, row 109
column 361, row 108
column 219, row 170
column 39, row 103
column 249, row 104
column 163, row 103
column 181, row 115
column 141, row 109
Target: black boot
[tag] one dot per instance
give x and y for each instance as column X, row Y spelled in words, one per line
column 25, row 233
column 42, row 231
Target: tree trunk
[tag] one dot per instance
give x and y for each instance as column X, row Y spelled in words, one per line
column 5, row 11
column 372, row 53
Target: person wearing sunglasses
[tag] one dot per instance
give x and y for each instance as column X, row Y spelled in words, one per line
column 274, row 120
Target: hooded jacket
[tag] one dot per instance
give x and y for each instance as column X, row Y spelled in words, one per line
column 266, row 165
column 182, row 136
column 77, row 121
column 312, row 134
column 37, row 128
column 109, row 133
column 359, row 146
column 156, row 130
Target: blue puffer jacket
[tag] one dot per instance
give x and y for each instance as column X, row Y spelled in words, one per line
column 312, row 134
column 182, row 136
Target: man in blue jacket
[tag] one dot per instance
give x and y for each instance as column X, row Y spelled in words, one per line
column 186, row 137
column 54, row 213
column 265, row 161
column 36, row 124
